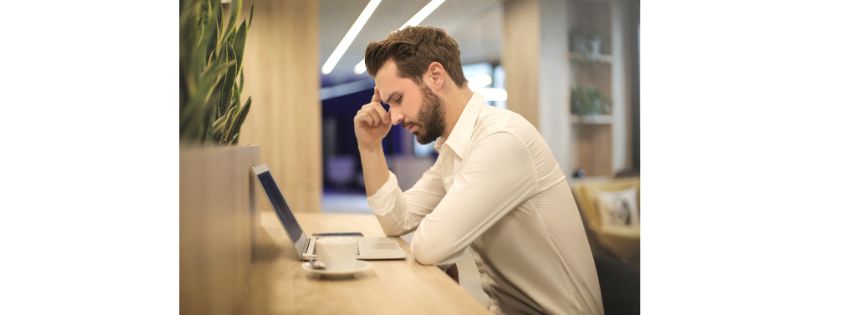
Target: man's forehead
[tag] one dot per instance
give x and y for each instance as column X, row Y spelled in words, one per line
column 387, row 75
column 388, row 81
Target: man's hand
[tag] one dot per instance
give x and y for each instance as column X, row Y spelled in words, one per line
column 372, row 123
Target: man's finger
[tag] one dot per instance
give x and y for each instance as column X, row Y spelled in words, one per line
column 376, row 97
column 385, row 117
column 359, row 118
column 368, row 119
column 364, row 118
column 375, row 116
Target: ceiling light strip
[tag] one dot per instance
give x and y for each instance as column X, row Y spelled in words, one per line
column 344, row 44
column 413, row 21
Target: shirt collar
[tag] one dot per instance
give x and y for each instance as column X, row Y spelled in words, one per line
column 459, row 139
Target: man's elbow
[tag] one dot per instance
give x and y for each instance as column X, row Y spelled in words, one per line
column 427, row 254
column 391, row 227
column 392, row 232
column 425, row 258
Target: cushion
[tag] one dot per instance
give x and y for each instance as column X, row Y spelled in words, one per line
column 618, row 209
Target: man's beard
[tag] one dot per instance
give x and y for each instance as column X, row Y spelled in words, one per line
column 431, row 117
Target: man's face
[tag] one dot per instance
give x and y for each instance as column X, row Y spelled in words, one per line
column 415, row 106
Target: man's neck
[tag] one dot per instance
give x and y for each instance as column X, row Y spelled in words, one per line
column 455, row 103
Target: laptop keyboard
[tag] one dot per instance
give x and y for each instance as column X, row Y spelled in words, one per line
column 313, row 241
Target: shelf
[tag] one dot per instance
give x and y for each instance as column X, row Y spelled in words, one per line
column 580, row 57
column 591, row 119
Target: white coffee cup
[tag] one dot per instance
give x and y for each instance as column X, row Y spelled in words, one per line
column 337, row 253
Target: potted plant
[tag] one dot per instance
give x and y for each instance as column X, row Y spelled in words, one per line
column 217, row 214
column 589, row 101
column 210, row 63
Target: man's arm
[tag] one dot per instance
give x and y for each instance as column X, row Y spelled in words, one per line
column 375, row 171
column 372, row 123
column 397, row 212
column 497, row 176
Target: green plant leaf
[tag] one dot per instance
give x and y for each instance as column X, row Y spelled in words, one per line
column 211, row 54
column 232, row 113
column 236, row 125
column 251, row 16
column 219, row 25
column 226, row 86
column 239, row 44
column 210, row 36
column 234, row 139
column 214, row 76
column 235, row 12
column 221, row 126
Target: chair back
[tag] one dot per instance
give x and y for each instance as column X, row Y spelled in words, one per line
column 620, row 286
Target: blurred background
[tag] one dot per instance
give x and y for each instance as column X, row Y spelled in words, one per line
column 573, row 65
column 568, row 66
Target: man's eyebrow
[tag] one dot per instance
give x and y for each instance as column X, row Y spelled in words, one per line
column 390, row 97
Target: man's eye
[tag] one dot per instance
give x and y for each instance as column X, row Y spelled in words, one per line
column 398, row 100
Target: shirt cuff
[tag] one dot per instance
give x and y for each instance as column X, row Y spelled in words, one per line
column 381, row 202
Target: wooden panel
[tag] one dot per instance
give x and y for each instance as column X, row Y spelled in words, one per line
column 535, row 69
column 520, row 57
column 282, row 75
column 217, row 200
column 280, row 286
column 593, row 149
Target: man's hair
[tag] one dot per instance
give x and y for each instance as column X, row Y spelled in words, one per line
column 413, row 48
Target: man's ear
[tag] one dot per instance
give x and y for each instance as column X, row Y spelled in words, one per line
column 435, row 76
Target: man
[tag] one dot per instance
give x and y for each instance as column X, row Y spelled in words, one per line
column 495, row 186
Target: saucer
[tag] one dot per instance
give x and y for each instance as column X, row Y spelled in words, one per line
column 360, row 266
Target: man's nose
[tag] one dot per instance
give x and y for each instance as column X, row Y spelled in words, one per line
column 396, row 117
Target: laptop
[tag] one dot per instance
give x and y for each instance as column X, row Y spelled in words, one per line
column 369, row 248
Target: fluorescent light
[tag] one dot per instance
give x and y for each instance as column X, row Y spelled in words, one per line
column 360, row 67
column 349, row 37
column 413, row 21
column 423, row 14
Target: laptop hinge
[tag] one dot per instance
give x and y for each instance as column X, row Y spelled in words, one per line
column 310, row 244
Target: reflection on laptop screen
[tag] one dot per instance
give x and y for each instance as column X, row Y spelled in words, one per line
column 281, row 207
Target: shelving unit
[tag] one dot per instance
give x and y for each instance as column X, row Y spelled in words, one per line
column 599, row 144
column 591, row 119
column 579, row 57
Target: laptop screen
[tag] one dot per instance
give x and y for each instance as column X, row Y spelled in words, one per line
column 281, row 208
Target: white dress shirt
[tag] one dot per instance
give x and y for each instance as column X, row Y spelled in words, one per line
column 497, row 189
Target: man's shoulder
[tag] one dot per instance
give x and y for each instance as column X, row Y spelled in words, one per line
column 493, row 120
